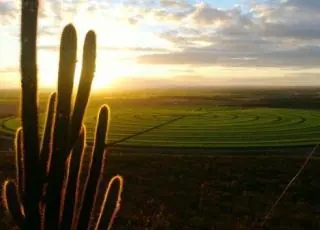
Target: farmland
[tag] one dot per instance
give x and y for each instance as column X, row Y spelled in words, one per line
column 204, row 127
column 202, row 158
column 187, row 122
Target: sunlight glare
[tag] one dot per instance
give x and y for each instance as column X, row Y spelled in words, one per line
column 108, row 73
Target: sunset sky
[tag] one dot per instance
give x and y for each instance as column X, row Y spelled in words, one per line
column 175, row 42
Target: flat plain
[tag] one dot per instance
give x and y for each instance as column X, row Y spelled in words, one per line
column 201, row 158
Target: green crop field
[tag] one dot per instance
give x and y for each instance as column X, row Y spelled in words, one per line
column 187, row 127
column 174, row 122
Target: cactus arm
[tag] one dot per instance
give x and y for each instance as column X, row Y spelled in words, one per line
column 87, row 73
column 68, row 49
column 111, row 203
column 72, row 189
column 19, row 160
column 12, row 202
column 46, row 144
column 96, row 166
column 46, row 148
column 67, row 62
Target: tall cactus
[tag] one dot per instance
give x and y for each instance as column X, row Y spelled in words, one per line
column 48, row 182
column 29, row 109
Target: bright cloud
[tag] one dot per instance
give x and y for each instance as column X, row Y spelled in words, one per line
column 209, row 39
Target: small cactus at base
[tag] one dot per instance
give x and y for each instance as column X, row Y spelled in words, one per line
column 47, row 186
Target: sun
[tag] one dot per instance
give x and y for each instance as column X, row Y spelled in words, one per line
column 114, row 58
column 106, row 72
column 109, row 72
column 105, row 76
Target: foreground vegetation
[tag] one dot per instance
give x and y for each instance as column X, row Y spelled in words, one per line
column 47, row 192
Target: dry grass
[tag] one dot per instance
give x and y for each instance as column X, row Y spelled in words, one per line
column 170, row 192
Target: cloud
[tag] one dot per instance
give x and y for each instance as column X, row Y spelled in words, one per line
column 296, row 19
column 8, row 11
column 133, row 21
column 157, row 82
column 9, row 70
column 204, row 14
column 174, row 3
column 6, row 7
column 299, row 31
column 271, row 34
column 55, row 48
column 293, row 79
column 305, row 4
column 268, row 34
column 305, row 57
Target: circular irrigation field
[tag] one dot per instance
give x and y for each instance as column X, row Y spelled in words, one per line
column 206, row 128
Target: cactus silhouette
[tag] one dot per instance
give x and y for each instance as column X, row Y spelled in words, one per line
column 46, row 194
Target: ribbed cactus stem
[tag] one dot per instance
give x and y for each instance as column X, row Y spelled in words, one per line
column 29, row 112
column 67, row 62
column 19, row 160
column 46, row 145
column 12, row 202
column 96, row 166
column 48, row 178
column 72, row 190
column 111, row 203
column 87, row 73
